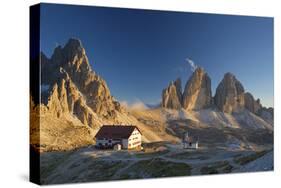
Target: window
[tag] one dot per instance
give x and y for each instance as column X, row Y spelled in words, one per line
column 135, row 143
column 109, row 141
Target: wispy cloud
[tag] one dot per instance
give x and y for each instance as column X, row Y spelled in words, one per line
column 135, row 105
column 138, row 106
column 191, row 63
column 124, row 104
column 186, row 66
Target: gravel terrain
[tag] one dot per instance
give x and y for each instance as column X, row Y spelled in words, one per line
column 264, row 163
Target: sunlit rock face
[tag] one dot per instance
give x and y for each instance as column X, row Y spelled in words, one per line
column 172, row 95
column 197, row 93
column 74, row 87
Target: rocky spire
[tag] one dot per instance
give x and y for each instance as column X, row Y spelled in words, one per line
column 69, row 74
column 197, row 93
column 251, row 104
column 172, row 95
column 229, row 95
column 177, row 84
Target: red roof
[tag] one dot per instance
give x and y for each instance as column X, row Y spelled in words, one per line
column 116, row 131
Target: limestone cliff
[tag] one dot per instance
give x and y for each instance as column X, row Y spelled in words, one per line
column 256, row 107
column 229, row 95
column 74, row 102
column 251, row 104
column 197, row 93
column 73, row 87
column 172, row 95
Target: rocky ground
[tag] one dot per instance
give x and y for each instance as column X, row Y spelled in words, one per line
column 159, row 159
column 263, row 163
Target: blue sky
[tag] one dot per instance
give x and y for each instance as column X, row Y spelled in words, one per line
column 138, row 52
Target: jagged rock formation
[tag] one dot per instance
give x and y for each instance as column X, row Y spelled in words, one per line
column 229, row 95
column 251, row 104
column 75, row 102
column 269, row 110
column 197, row 93
column 256, row 107
column 266, row 114
column 73, row 87
column 172, row 95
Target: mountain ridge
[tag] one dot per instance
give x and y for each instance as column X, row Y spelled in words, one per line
column 230, row 96
column 75, row 102
column 76, row 99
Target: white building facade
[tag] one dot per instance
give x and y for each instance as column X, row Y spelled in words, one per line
column 190, row 145
column 189, row 142
column 134, row 141
column 129, row 137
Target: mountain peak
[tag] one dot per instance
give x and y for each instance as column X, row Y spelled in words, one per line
column 74, row 47
column 228, row 74
column 197, row 93
column 171, row 96
column 178, row 82
column 74, row 43
column 199, row 70
column 230, row 94
column 70, row 63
